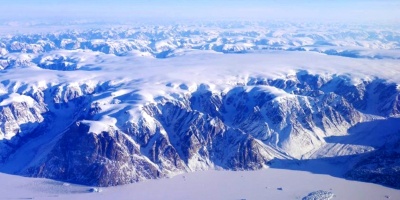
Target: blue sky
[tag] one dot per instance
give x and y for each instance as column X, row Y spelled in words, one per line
column 352, row 10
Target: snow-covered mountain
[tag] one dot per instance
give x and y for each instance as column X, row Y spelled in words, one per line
column 172, row 40
column 100, row 107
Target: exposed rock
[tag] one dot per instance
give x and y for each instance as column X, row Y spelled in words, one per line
column 104, row 159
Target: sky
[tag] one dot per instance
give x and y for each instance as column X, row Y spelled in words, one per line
column 308, row 10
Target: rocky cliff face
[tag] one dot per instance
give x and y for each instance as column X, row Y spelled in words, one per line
column 104, row 159
column 242, row 128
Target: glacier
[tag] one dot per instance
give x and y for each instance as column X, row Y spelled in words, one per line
column 111, row 107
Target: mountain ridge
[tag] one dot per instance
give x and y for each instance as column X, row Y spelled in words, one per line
column 202, row 130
